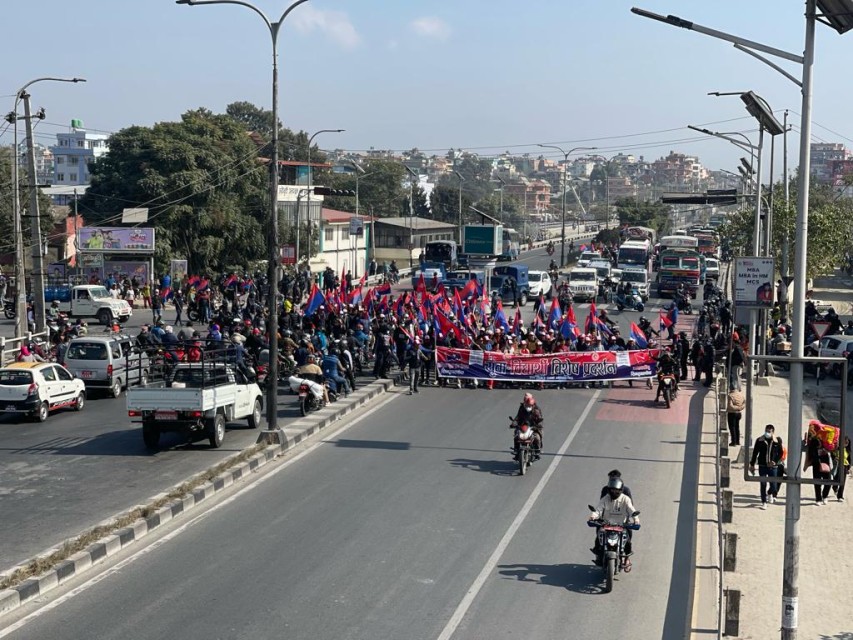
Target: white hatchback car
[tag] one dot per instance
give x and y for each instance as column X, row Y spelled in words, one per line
column 540, row 283
column 37, row 388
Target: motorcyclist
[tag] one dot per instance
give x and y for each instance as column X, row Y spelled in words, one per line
column 666, row 366
column 53, row 311
column 550, row 247
column 312, row 372
column 530, row 413
column 646, row 326
column 614, row 508
column 615, row 474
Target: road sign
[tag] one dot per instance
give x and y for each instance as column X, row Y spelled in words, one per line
column 820, row 328
column 356, row 226
column 288, row 254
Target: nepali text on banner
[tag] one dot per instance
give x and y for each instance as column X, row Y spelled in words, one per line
column 574, row 366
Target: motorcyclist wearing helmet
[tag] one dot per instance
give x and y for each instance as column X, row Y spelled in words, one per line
column 646, row 326
column 666, row 366
column 617, row 508
column 525, row 433
column 530, row 413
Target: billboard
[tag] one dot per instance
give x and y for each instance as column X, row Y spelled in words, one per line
column 179, row 271
column 482, row 240
column 115, row 239
column 753, row 286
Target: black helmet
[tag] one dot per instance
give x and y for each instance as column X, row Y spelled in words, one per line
column 643, row 319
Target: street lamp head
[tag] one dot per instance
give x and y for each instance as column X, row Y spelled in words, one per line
column 838, row 14
column 78, row 79
column 746, row 166
column 761, row 111
column 189, row 2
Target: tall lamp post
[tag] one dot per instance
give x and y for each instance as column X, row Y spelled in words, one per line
column 272, row 435
column 360, row 175
column 503, row 184
column 308, row 197
column 35, row 222
column 461, row 180
column 412, row 181
column 566, row 155
column 838, row 14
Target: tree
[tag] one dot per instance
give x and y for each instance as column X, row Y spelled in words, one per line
column 7, row 222
column 644, row 214
column 830, row 228
column 201, row 181
column 292, row 145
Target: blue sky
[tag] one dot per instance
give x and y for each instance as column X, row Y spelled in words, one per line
column 488, row 75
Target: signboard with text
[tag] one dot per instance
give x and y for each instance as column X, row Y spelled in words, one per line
column 753, row 282
column 115, row 239
column 288, row 254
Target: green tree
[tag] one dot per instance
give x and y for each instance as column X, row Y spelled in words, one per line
column 830, row 228
column 7, row 222
column 201, row 181
column 644, row 214
column 292, row 145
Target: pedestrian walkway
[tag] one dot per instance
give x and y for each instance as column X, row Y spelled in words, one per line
column 825, row 561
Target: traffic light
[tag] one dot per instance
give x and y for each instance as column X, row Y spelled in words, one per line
column 326, row 191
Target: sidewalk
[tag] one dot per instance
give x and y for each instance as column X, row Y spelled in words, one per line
column 825, row 563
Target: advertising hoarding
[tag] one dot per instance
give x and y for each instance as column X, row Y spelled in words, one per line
column 482, row 240
column 753, row 282
column 115, row 239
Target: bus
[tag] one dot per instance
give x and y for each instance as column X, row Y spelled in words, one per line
column 677, row 266
column 634, row 253
column 442, row 252
column 707, row 244
column 511, row 244
column 678, row 242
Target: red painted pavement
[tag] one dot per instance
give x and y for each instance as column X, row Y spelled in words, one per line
column 637, row 405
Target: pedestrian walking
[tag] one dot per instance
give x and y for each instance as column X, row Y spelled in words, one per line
column 820, row 460
column 734, row 410
column 768, row 453
column 414, row 358
column 178, row 301
column 156, row 305
column 842, row 470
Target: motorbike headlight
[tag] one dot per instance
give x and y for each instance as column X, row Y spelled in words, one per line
column 612, row 538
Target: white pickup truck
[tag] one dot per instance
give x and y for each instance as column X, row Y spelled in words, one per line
column 89, row 301
column 197, row 399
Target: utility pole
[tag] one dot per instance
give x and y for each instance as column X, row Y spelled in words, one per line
column 461, row 180
column 35, row 220
column 20, row 273
column 785, row 240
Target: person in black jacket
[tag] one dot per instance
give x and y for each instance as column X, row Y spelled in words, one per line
column 736, row 361
column 708, row 362
column 683, row 354
column 767, row 452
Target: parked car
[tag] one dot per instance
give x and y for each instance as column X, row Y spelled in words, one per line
column 106, row 362
column 540, row 283
column 37, row 388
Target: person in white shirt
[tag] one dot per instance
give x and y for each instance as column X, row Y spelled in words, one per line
column 614, row 508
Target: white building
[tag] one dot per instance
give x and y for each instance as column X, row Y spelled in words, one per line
column 73, row 153
column 338, row 249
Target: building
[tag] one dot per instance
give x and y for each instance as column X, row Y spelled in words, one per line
column 402, row 239
column 74, row 152
column 535, row 195
column 822, row 156
column 44, row 162
column 338, row 248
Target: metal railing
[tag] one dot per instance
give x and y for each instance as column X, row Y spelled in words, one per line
column 9, row 347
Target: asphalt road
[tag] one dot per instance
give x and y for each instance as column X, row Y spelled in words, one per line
column 71, row 472
column 77, row 469
column 413, row 524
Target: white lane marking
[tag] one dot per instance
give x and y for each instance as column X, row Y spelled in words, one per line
column 174, row 534
column 456, row 619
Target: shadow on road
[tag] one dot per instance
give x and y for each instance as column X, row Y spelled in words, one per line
column 372, row 444
column 495, row 467
column 579, row 578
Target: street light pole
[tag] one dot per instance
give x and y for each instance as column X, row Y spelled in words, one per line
column 566, row 155
column 308, row 196
column 20, row 273
column 461, row 180
column 414, row 177
column 272, row 435
column 359, row 174
column 503, row 183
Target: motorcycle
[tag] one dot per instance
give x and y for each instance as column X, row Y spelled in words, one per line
column 612, row 540
column 550, row 249
column 669, row 389
column 682, row 303
column 635, row 301
column 310, row 394
column 525, row 450
column 9, row 309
